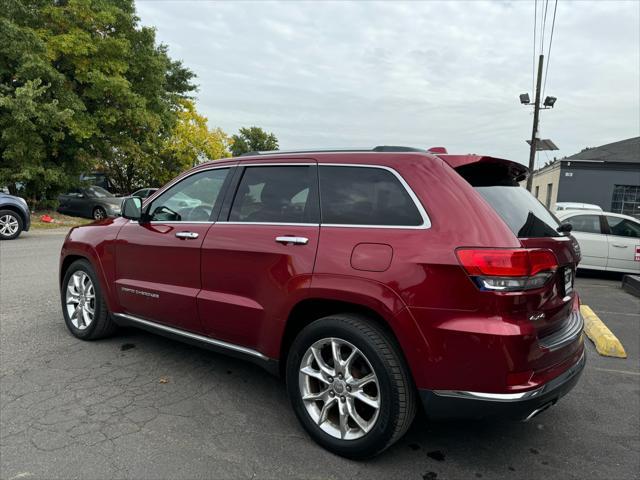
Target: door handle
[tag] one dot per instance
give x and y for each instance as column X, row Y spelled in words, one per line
column 286, row 239
column 619, row 245
column 187, row 235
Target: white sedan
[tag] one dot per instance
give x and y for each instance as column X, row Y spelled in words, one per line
column 608, row 241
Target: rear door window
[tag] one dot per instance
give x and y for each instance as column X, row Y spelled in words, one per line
column 365, row 196
column 276, row 194
column 585, row 223
column 623, row 227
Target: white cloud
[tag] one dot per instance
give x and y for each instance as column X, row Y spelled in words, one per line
column 337, row 74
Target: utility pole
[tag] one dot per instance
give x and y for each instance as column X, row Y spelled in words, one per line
column 534, row 132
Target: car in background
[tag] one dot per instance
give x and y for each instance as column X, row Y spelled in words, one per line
column 14, row 216
column 90, row 202
column 144, row 192
column 608, row 241
column 99, row 179
column 560, row 206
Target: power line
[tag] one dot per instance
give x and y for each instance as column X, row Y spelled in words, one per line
column 544, row 24
column 553, row 24
column 535, row 27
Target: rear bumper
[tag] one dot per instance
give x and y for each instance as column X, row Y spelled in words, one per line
column 442, row 404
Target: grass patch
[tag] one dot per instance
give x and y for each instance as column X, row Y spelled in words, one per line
column 60, row 221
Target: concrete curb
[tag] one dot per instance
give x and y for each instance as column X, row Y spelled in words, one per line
column 606, row 342
column 631, row 284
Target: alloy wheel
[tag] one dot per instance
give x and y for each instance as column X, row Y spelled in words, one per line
column 339, row 388
column 8, row 225
column 99, row 213
column 80, row 300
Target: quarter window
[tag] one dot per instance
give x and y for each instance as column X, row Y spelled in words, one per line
column 276, row 194
column 190, row 200
column 623, row 227
column 585, row 223
column 365, row 196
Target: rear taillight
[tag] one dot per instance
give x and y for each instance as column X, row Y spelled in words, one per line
column 502, row 269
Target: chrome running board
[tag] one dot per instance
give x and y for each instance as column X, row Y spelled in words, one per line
column 200, row 340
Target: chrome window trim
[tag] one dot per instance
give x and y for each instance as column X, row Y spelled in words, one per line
column 278, row 164
column 159, row 222
column 194, row 336
column 520, row 396
column 285, row 224
column 426, row 221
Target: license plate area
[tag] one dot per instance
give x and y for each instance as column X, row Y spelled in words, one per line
column 568, row 280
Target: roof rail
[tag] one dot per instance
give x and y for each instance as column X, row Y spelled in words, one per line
column 379, row 148
column 396, row 148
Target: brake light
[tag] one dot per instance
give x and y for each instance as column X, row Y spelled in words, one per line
column 508, row 269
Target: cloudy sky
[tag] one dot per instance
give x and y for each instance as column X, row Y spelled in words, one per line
column 338, row 74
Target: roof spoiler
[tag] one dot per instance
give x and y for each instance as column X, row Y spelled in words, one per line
column 515, row 170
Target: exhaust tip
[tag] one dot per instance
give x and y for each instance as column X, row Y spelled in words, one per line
column 539, row 410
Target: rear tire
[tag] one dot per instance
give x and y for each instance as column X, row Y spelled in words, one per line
column 11, row 225
column 83, row 306
column 329, row 390
column 99, row 213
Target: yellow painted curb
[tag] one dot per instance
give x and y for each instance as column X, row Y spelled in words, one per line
column 606, row 342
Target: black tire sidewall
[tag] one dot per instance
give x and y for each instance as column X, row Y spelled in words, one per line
column 98, row 208
column 379, row 437
column 100, row 309
column 20, row 224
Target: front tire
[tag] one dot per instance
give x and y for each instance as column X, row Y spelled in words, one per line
column 10, row 225
column 349, row 386
column 83, row 306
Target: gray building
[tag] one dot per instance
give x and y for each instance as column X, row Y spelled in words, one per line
column 608, row 176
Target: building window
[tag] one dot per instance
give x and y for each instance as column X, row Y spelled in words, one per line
column 549, row 193
column 626, row 199
column 537, row 191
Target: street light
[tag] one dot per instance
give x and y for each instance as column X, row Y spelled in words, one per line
column 547, row 104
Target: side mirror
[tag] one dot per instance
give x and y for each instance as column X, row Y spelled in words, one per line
column 132, row 208
column 565, row 228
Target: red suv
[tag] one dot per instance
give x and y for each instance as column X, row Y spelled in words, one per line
column 369, row 279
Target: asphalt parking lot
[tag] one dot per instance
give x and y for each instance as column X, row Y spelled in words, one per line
column 141, row 406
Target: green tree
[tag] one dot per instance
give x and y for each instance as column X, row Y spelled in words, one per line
column 253, row 139
column 191, row 142
column 91, row 89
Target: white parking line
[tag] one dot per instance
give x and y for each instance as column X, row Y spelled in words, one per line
column 627, row 372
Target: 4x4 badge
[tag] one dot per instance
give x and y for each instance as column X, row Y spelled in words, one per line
column 536, row 316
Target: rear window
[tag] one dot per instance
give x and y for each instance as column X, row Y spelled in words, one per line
column 521, row 211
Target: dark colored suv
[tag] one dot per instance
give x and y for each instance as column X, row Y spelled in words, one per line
column 371, row 280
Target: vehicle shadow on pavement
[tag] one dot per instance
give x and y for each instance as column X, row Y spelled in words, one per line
column 428, row 450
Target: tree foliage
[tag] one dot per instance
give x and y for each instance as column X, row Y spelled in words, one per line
column 253, row 139
column 83, row 85
column 191, row 142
